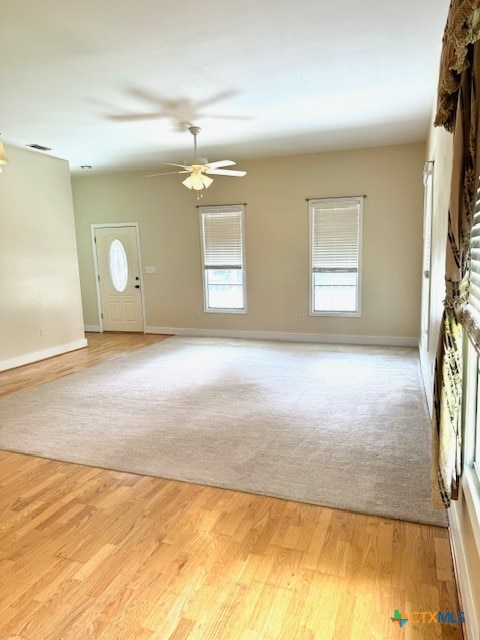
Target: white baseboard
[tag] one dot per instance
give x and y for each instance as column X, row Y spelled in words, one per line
column 93, row 328
column 41, row 355
column 288, row 336
column 471, row 628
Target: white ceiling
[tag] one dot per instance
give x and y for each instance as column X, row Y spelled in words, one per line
column 286, row 77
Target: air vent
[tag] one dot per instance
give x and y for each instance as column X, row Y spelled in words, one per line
column 38, row 146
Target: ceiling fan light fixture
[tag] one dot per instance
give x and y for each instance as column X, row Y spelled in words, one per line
column 188, row 182
column 197, row 180
column 193, row 182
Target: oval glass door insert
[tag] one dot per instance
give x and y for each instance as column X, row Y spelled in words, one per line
column 118, row 266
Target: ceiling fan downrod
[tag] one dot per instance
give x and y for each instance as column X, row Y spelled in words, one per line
column 194, row 131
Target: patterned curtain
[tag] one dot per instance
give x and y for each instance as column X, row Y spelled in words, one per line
column 458, row 112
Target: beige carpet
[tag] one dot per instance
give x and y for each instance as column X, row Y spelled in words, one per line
column 340, row 426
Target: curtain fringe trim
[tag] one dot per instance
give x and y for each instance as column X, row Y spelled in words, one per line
column 462, row 29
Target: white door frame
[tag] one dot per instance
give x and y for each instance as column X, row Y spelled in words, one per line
column 115, row 225
column 425, row 346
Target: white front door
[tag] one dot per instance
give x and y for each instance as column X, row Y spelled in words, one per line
column 427, row 242
column 119, row 278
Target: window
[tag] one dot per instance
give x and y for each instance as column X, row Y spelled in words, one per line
column 472, row 411
column 472, row 319
column 118, row 266
column 335, row 256
column 223, row 256
column 471, row 435
column 473, row 375
column 471, row 389
column 476, row 432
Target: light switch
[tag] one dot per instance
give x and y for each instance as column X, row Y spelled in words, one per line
column 150, row 270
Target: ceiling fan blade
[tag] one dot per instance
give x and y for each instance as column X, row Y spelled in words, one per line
column 224, row 117
column 167, row 173
column 223, row 95
column 174, row 164
column 146, row 96
column 221, row 163
column 135, row 117
column 227, row 172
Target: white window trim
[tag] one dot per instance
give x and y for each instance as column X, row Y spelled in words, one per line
column 244, row 270
column 339, row 314
column 470, row 480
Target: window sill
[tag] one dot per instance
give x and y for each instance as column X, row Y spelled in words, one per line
column 336, row 314
column 234, row 311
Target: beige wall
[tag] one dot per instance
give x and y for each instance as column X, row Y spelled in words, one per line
column 276, row 240
column 39, row 281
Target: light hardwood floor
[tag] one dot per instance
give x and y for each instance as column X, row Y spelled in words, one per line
column 91, row 553
column 101, row 347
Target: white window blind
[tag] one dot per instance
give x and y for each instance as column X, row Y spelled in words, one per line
column 471, row 323
column 473, row 305
column 222, row 237
column 223, row 257
column 335, row 228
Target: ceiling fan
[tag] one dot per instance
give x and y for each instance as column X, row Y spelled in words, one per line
column 199, row 168
column 181, row 111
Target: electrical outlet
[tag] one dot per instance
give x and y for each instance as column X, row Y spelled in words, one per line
column 197, row 315
column 302, row 318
